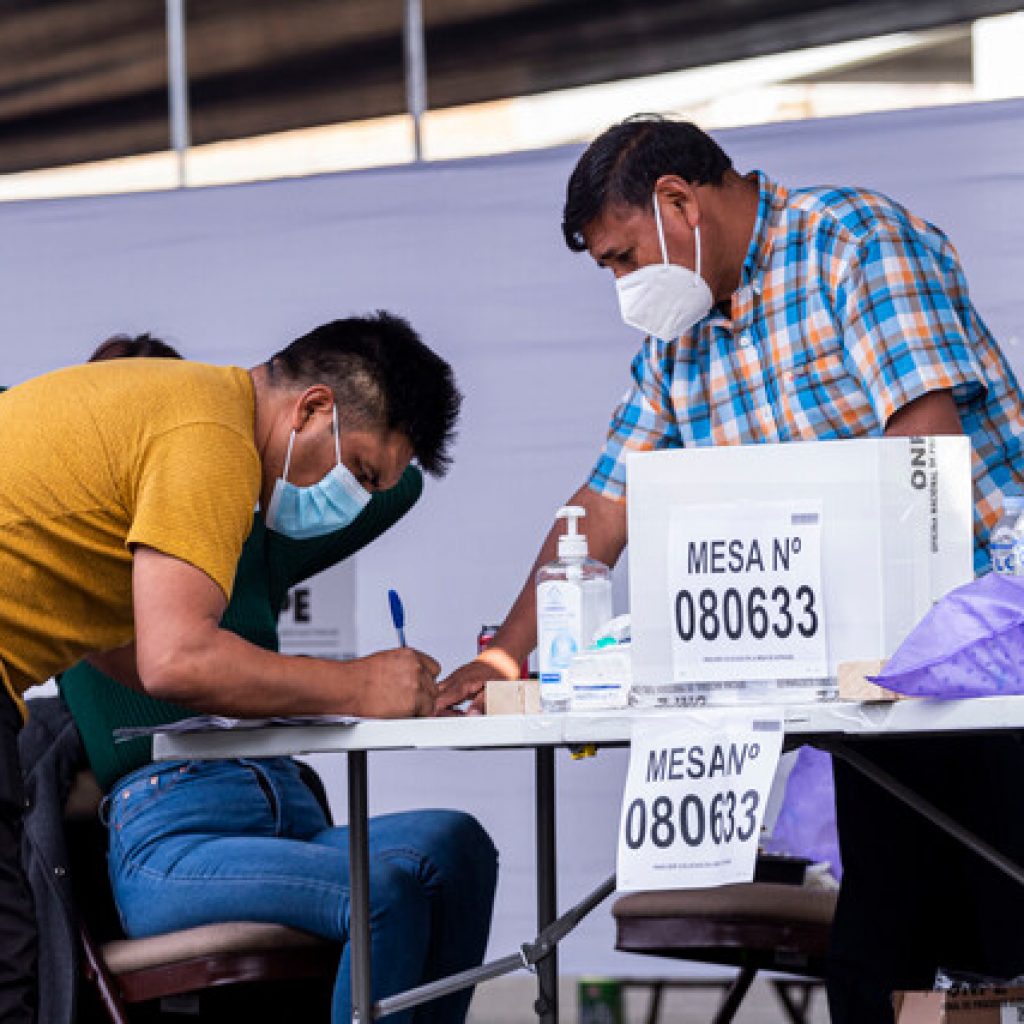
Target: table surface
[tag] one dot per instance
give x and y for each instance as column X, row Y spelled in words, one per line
column 837, row 718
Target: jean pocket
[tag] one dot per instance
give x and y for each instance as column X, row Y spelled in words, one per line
column 141, row 792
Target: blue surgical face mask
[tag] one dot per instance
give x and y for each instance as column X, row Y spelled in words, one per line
column 331, row 504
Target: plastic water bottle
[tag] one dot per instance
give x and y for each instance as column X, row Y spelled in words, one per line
column 1006, row 546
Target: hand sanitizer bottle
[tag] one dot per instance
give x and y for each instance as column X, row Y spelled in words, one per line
column 574, row 600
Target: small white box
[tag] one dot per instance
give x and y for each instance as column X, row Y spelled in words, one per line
column 896, row 534
column 600, row 679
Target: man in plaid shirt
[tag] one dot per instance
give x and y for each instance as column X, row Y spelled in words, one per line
column 777, row 314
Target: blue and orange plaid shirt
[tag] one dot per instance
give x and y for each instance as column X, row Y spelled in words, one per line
column 849, row 307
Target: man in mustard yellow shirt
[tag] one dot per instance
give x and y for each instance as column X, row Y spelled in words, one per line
column 126, row 494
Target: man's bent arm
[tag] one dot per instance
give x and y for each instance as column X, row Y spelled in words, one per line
column 606, row 529
column 933, row 413
column 184, row 656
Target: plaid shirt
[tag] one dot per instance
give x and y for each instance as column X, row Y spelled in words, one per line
column 848, row 308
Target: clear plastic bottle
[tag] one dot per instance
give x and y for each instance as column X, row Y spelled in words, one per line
column 574, row 600
column 1006, row 545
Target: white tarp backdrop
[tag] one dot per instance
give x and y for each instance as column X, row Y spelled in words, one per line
column 471, row 252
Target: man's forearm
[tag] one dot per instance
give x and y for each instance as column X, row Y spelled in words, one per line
column 184, row 656
column 223, row 674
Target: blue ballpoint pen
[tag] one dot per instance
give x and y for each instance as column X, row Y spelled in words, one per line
column 397, row 616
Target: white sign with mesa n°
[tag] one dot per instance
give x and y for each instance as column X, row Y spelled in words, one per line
column 744, row 592
column 695, row 798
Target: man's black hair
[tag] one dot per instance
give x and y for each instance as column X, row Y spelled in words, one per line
column 624, row 162
column 382, row 376
column 141, row 346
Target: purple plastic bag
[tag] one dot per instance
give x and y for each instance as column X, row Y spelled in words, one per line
column 971, row 644
column 806, row 826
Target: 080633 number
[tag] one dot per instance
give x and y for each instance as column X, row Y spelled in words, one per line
column 658, row 820
column 735, row 615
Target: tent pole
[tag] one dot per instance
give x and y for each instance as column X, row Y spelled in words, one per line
column 415, row 71
column 177, row 85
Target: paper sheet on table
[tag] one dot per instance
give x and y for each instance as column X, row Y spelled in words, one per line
column 217, row 723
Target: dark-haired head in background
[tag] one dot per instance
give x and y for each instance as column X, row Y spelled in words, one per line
column 127, row 346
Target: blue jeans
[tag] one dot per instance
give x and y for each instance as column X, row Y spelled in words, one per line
column 198, row 842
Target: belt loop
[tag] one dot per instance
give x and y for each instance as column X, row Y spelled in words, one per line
column 104, row 810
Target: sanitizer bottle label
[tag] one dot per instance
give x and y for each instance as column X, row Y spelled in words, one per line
column 558, row 633
column 1005, row 555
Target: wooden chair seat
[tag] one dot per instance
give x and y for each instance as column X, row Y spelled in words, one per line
column 236, row 937
column 754, row 926
column 747, row 901
column 234, row 953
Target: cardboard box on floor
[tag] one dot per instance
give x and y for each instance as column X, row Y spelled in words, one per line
column 993, row 1006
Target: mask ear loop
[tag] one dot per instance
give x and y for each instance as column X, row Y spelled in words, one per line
column 661, row 230
column 661, row 236
column 288, row 456
column 337, row 439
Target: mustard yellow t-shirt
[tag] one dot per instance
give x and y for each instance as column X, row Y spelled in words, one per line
column 95, row 459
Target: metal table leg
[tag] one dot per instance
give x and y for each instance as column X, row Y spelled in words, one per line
column 541, row 952
column 530, row 954
column 547, row 895
column 359, row 872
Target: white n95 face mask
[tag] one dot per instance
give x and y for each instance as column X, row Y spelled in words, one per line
column 664, row 299
column 322, row 508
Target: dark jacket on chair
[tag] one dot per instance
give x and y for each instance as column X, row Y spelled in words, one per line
column 51, row 755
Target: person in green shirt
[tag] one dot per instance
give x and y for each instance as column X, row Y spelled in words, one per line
column 198, row 842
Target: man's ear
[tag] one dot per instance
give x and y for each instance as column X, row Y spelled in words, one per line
column 316, row 399
column 678, row 194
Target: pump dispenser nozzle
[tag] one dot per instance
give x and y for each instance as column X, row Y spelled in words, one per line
column 572, row 543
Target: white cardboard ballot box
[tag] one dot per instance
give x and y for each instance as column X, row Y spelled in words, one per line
column 756, row 569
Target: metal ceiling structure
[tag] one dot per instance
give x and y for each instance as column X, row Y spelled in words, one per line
column 87, row 79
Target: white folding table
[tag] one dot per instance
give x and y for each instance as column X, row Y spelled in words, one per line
column 829, row 726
